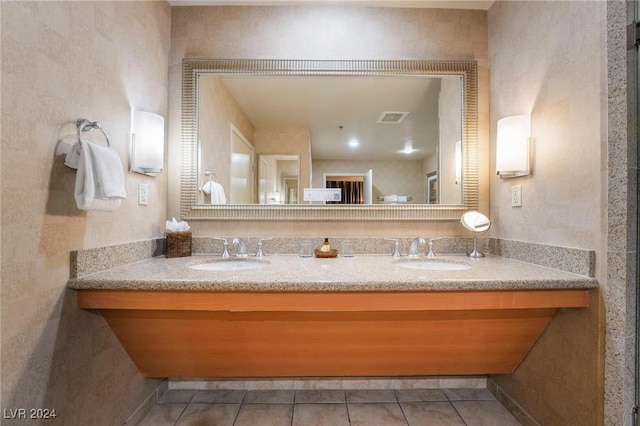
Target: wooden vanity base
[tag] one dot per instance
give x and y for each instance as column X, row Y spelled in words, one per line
column 278, row 334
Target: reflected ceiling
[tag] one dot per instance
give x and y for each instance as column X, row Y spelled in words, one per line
column 339, row 111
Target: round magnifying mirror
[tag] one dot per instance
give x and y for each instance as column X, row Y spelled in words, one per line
column 475, row 221
column 478, row 223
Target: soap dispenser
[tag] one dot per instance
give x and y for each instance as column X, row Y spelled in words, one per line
column 326, row 247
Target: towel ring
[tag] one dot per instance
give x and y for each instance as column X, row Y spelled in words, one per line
column 85, row 125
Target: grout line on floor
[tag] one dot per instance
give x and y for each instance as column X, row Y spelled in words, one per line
column 293, row 407
column 244, row 395
column 401, row 409
column 181, row 413
column 458, row 413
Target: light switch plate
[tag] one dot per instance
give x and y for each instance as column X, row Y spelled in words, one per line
column 516, row 196
column 143, row 194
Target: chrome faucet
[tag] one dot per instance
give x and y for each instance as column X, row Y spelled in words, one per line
column 396, row 247
column 414, row 248
column 242, row 247
column 431, row 240
column 430, row 254
column 225, row 247
column 259, row 252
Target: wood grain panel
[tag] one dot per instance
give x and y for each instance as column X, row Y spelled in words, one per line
column 201, row 344
column 331, row 301
column 280, row 334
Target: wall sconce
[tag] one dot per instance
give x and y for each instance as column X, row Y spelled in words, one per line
column 513, row 147
column 458, row 154
column 147, row 143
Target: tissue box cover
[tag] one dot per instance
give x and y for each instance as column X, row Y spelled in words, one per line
column 178, row 244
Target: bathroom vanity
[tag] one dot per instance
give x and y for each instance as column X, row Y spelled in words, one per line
column 361, row 316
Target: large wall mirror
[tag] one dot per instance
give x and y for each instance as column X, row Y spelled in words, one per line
column 397, row 139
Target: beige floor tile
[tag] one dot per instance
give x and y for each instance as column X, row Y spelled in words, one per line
column 320, row 415
column 269, row 397
column 484, row 413
column 174, row 396
column 416, row 395
column 265, row 415
column 218, row 397
column 372, row 407
column 320, row 397
column 163, row 415
column 209, row 414
column 431, row 414
column 365, row 395
column 381, row 414
column 469, row 394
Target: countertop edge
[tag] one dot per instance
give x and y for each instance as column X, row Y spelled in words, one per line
column 438, row 285
column 362, row 273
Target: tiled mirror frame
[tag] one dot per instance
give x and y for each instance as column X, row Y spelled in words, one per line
column 192, row 68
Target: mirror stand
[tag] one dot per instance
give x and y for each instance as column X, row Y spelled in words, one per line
column 475, row 252
column 477, row 223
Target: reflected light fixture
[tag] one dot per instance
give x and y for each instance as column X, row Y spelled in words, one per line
column 353, row 143
column 513, row 147
column 147, row 143
column 458, row 159
column 408, row 148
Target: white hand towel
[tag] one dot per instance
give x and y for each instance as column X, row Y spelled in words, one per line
column 206, row 188
column 216, row 191
column 219, row 191
column 73, row 157
column 100, row 179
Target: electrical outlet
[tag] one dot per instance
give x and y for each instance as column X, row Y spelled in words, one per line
column 516, row 196
column 143, row 194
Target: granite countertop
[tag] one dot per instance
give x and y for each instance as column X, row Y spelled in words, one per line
column 360, row 273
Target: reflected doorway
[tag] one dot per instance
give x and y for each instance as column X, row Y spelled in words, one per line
column 241, row 170
column 278, row 177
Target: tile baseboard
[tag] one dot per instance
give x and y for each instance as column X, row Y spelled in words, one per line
column 145, row 406
column 341, row 383
column 511, row 405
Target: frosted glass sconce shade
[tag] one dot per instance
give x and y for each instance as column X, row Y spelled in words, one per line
column 513, row 150
column 147, row 142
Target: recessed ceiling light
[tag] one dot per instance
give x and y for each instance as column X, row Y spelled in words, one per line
column 353, row 143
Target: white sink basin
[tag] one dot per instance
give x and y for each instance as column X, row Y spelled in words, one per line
column 433, row 265
column 230, row 265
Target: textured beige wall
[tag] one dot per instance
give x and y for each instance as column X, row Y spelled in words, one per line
column 325, row 32
column 61, row 61
column 556, row 71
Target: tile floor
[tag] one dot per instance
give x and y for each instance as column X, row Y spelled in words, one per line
column 472, row 407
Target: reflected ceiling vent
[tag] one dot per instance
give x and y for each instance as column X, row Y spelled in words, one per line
column 392, row 117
